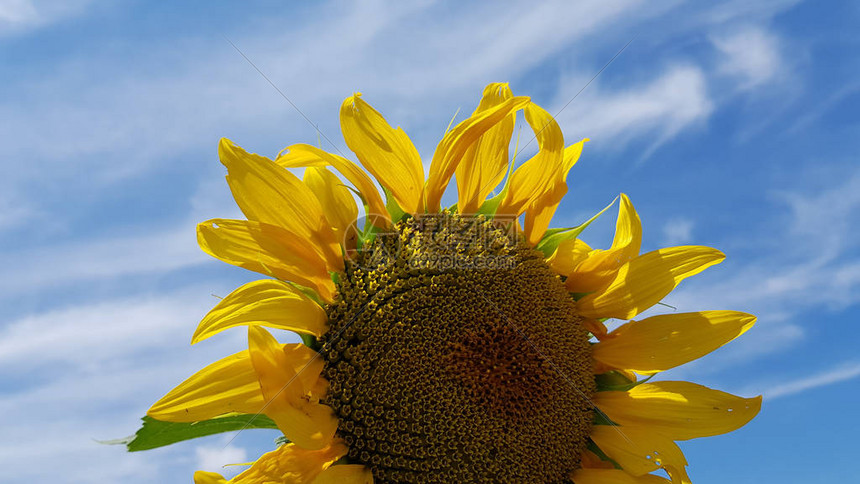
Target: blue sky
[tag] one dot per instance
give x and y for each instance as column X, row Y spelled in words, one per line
column 733, row 125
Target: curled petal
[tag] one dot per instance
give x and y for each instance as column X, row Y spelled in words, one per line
column 267, row 249
column 534, row 178
column 385, row 152
column 455, row 143
column 639, row 451
column 599, row 267
column 485, row 162
column 540, row 212
column 288, row 463
column 567, row 256
column 337, row 202
column 645, row 280
column 287, row 374
column 269, row 194
column 345, row 474
column 613, row 476
column 203, row 477
column 302, row 156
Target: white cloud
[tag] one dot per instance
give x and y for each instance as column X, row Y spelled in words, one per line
column 826, row 221
column 810, row 263
column 18, row 11
column 90, row 335
column 678, row 231
column 15, row 213
column 89, row 372
column 108, row 258
column 18, row 16
column 75, row 373
column 214, row 458
column 841, row 373
column 750, row 54
column 657, row 110
column 149, row 107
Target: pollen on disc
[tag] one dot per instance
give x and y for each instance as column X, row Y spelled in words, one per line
column 454, row 354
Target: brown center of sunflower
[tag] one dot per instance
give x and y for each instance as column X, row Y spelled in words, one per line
column 454, row 354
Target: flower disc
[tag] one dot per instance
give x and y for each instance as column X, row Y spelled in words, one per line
column 455, row 354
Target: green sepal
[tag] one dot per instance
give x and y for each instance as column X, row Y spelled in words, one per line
column 601, row 418
column 360, row 197
column 554, row 237
column 367, row 236
column 308, row 292
column 310, row 341
column 156, row 433
column 394, row 211
column 614, row 381
column 490, row 206
column 594, row 448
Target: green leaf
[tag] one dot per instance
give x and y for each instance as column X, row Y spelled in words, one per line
column 155, row 433
column 554, row 237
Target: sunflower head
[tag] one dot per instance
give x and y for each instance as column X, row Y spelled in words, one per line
column 461, row 344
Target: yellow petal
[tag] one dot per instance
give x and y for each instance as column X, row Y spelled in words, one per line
column 613, row 476
column 387, row 153
column 287, row 373
column 568, row 255
column 540, row 212
column 645, row 280
column 677, row 409
column 345, row 474
column 484, row 164
column 639, row 451
column 228, row 385
column 600, row 267
column 267, row 249
column 268, row 302
column 291, row 463
column 662, row 342
column 628, row 230
column 270, row 194
column 535, row 178
column 302, row 155
column 590, row 460
column 203, row 477
column 455, row 143
column 336, row 201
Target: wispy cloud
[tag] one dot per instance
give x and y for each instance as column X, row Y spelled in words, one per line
column 808, row 262
column 839, row 374
column 678, row 231
column 89, row 372
column 215, row 458
column 657, row 110
column 19, row 16
column 749, row 53
column 107, row 258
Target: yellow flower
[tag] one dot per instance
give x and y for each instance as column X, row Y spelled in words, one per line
column 450, row 345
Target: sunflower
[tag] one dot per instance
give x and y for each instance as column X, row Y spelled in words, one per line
column 459, row 344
